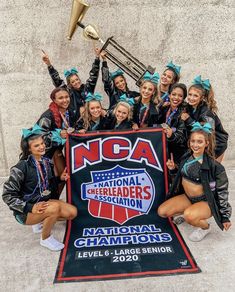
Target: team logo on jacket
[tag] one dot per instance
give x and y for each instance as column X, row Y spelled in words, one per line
column 119, row 194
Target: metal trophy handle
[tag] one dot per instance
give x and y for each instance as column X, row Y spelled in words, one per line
column 114, row 52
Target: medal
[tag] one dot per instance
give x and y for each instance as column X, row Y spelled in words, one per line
column 70, row 130
column 45, row 193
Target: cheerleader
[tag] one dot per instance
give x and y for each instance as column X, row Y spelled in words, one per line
column 205, row 186
column 77, row 90
column 169, row 77
column 121, row 117
column 115, row 84
column 31, row 187
column 57, row 121
column 145, row 111
column 202, row 108
column 169, row 118
column 94, row 117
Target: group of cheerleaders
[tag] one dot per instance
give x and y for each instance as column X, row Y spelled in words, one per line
column 196, row 142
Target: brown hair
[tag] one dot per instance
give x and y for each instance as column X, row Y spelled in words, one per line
column 210, row 149
column 208, row 97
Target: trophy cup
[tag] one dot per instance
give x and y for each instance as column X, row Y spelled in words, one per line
column 114, row 52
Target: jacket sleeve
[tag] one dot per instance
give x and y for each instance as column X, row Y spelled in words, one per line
column 179, row 137
column 93, row 76
column 106, row 78
column 12, row 192
column 57, row 81
column 225, row 208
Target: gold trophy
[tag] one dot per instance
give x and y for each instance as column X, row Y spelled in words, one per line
column 114, row 52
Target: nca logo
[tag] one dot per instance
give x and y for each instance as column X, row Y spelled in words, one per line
column 119, row 194
column 114, row 149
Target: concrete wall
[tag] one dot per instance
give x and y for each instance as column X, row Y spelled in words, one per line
column 199, row 35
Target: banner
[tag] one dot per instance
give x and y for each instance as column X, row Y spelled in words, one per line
column 117, row 181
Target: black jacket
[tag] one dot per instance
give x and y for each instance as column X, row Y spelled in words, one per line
column 77, row 97
column 215, row 186
column 101, row 126
column 151, row 118
column 204, row 114
column 21, row 190
column 112, row 92
column 177, row 143
column 124, row 125
column 47, row 122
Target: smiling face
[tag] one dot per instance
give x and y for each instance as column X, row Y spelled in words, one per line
column 74, row 81
column 176, row 97
column 194, row 97
column 167, row 77
column 121, row 113
column 147, row 90
column 198, row 143
column 37, row 147
column 62, row 100
column 95, row 109
column 120, row 83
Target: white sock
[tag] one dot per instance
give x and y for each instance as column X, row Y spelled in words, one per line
column 51, row 243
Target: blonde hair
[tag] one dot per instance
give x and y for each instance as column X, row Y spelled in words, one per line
column 126, row 105
column 155, row 97
column 86, row 116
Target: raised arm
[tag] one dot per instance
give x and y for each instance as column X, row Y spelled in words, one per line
column 57, row 81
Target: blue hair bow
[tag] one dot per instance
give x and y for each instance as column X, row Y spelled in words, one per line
column 36, row 130
column 204, row 83
column 154, row 78
column 174, row 67
column 205, row 128
column 70, row 72
column 55, row 137
column 124, row 98
column 117, row 73
column 95, row 96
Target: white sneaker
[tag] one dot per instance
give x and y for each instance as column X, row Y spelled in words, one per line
column 51, row 243
column 37, row 228
column 198, row 234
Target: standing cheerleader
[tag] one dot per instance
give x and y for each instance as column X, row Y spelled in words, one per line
column 115, row 84
column 202, row 108
column 31, row 187
column 145, row 111
column 169, row 77
column 174, row 127
column 77, row 90
column 93, row 118
column 205, row 186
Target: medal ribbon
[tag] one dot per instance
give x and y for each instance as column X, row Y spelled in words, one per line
column 65, row 119
column 43, row 182
column 144, row 109
column 170, row 115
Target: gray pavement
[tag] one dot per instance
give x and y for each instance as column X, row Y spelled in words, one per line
column 26, row 266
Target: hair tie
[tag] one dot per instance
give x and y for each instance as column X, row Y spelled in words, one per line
column 205, row 128
column 72, row 71
column 36, row 130
column 174, row 67
column 154, row 78
column 205, row 84
column 95, row 96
